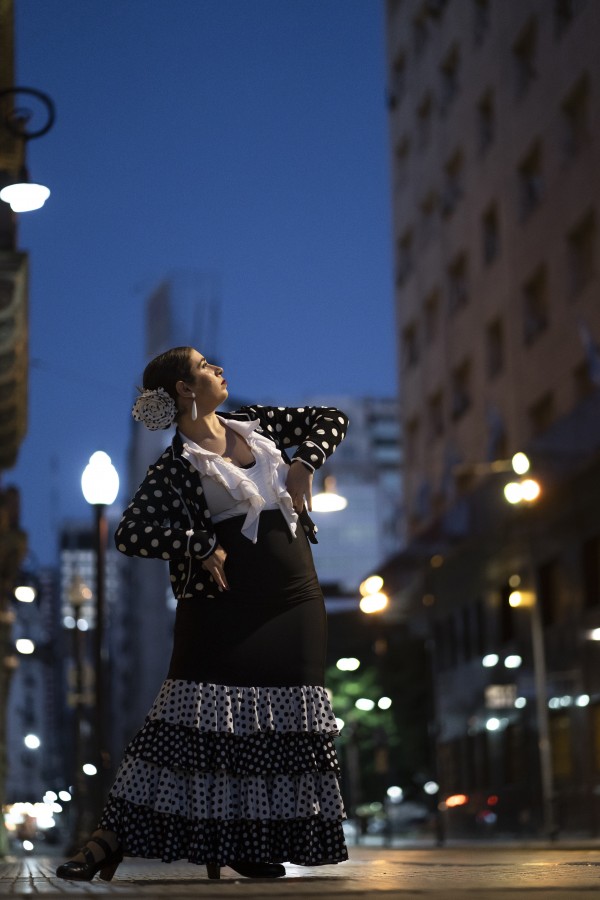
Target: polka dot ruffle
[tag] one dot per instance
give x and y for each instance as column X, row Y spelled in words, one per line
column 244, row 710
column 219, row 773
column 195, row 795
column 155, row 835
column 188, row 749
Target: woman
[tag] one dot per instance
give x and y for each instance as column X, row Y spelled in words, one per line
column 235, row 764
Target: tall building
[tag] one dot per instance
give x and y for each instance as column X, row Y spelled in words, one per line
column 78, row 620
column 13, row 374
column 36, row 714
column 493, row 108
column 494, row 135
column 182, row 310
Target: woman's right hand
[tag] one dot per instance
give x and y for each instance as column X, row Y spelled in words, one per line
column 215, row 564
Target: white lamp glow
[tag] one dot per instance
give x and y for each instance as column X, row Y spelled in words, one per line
column 25, row 197
column 100, row 481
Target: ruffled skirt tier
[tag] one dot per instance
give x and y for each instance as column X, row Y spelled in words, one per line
column 222, row 773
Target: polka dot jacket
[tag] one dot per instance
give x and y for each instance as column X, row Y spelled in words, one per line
column 168, row 517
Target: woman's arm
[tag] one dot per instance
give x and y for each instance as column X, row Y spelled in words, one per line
column 159, row 524
column 315, row 430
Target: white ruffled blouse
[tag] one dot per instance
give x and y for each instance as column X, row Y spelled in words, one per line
column 250, row 489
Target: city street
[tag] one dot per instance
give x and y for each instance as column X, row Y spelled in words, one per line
column 472, row 872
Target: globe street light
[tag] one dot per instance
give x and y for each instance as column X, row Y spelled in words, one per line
column 100, row 486
column 18, row 191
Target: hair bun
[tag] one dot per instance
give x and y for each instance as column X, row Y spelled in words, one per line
column 155, row 408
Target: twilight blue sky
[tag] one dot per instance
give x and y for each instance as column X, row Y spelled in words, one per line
column 246, row 138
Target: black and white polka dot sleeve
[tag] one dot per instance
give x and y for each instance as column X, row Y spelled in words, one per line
column 315, row 430
column 158, row 524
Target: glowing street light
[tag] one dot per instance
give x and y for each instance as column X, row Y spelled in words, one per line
column 348, row 664
column 25, row 593
column 21, row 194
column 100, row 486
column 371, row 585
column 24, row 196
column 328, row 500
column 526, row 491
column 373, row 599
column 520, row 463
column 374, row 603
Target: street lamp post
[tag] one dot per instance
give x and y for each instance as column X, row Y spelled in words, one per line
column 527, row 491
column 83, row 824
column 530, row 600
column 100, row 486
column 16, row 189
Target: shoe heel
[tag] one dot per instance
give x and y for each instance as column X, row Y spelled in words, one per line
column 213, row 870
column 107, row 872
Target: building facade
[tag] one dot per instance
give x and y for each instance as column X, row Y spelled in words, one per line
column 494, row 135
column 492, row 112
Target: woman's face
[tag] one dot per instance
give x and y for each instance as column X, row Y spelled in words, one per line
column 207, row 381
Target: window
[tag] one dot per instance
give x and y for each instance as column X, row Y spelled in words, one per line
column 405, row 256
column 436, row 8
column 461, row 389
column 497, row 438
column 541, row 414
column 398, row 82
column 560, row 741
column 516, row 766
column 429, row 206
column 457, row 284
column 410, row 346
column 449, row 79
column 480, row 643
column 432, row 316
column 536, row 314
column 576, row 117
column 435, row 410
column 507, row 630
column 524, row 52
column 424, row 117
column 486, row 121
column 420, row 32
column 491, row 235
column 495, row 348
column 530, row 181
column 401, row 158
column 590, row 564
column 564, row 13
column 582, row 381
column 581, row 248
column 412, row 440
column 481, row 20
column 453, row 187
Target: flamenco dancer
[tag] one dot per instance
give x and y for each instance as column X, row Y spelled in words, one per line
column 235, row 763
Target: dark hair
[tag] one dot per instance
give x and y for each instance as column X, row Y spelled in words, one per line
column 167, row 369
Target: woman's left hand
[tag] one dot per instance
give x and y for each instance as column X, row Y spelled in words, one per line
column 299, row 486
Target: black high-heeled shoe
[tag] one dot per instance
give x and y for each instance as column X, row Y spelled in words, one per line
column 248, row 869
column 79, row 870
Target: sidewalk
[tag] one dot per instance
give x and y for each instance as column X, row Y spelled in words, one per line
column 475, row 873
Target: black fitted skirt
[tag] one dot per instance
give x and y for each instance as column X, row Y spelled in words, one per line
column 270, row 627
column 236, row 760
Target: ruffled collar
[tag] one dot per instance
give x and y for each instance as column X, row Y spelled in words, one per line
column 237, row 481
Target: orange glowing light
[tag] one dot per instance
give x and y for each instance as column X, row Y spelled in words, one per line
column 492, row 800
column 457, row 800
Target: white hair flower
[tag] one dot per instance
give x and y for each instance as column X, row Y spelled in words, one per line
column 155, row 408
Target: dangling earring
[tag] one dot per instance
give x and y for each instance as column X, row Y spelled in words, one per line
column 194, row 410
